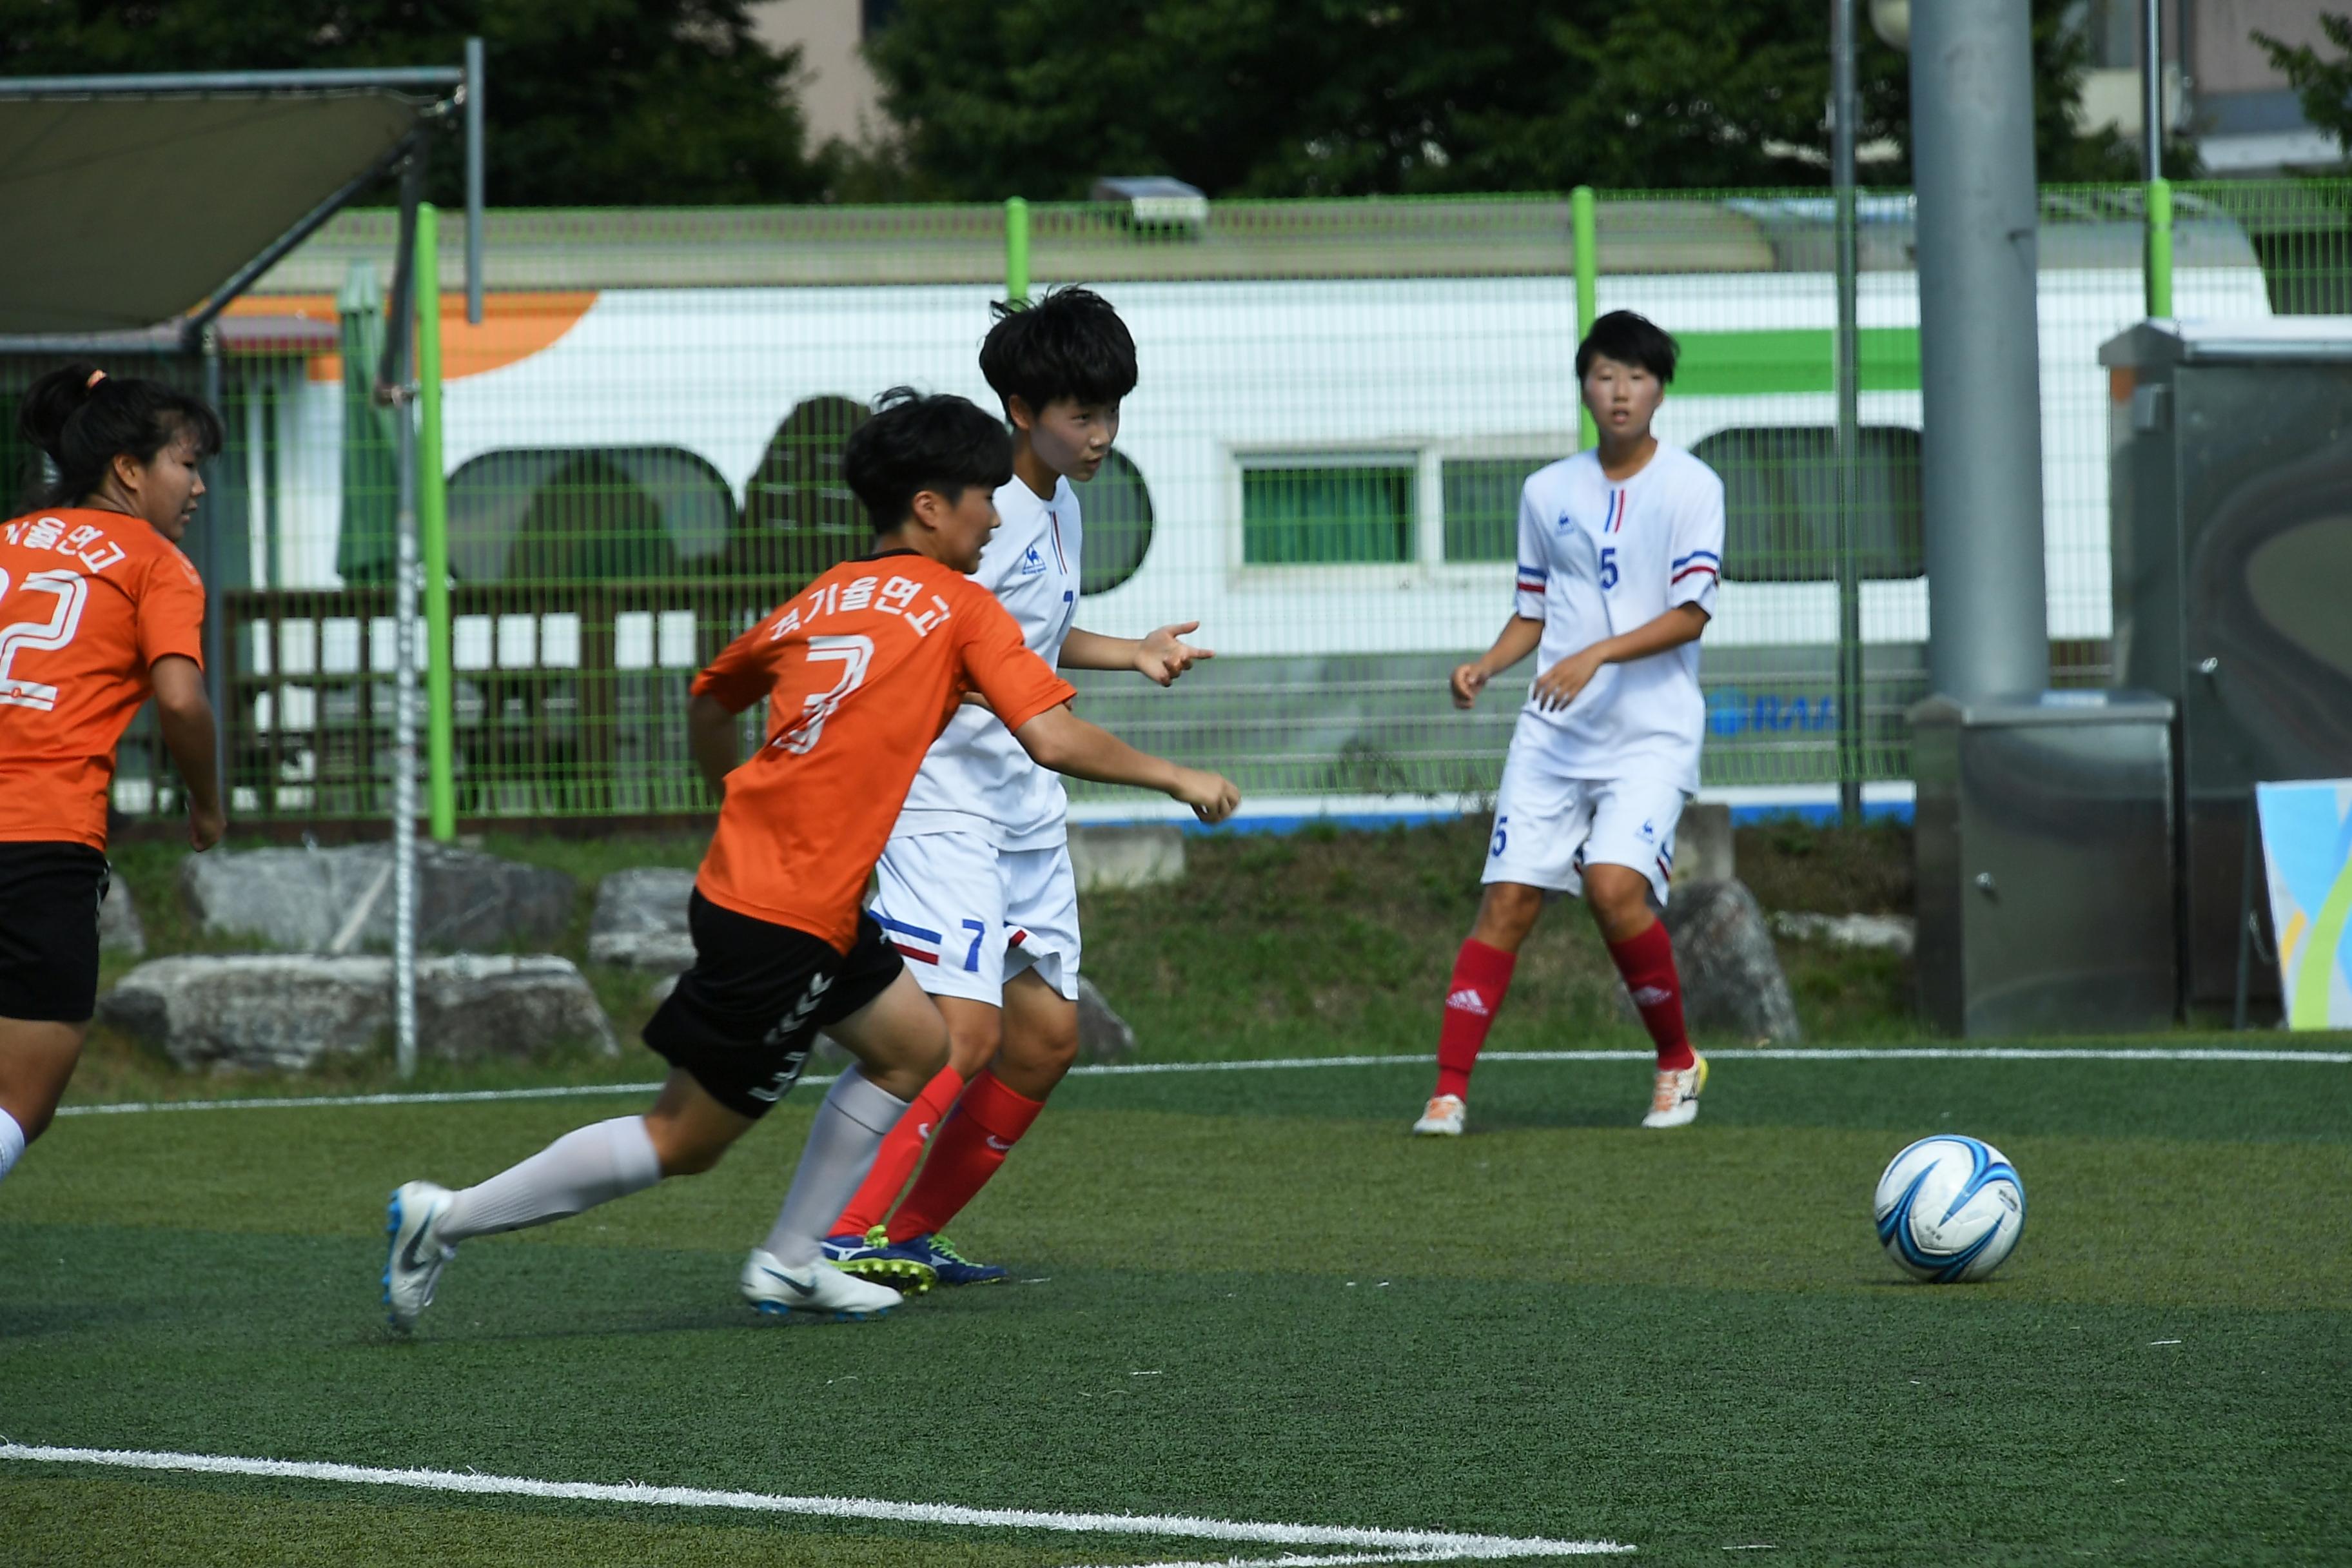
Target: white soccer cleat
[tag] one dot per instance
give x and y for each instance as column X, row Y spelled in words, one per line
column 1673, row 1102
column 419, row 1254
column 1442, row 1118
column 820, row 1288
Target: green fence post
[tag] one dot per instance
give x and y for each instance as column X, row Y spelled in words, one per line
column 1017, row 249
column 2160, row 249
column 433, row 527
column 1586, row 252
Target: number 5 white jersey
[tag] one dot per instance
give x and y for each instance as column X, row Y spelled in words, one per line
column 1598, row 558
column 976, row 778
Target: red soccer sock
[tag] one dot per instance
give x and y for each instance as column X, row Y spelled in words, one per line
column 1646, row 960
column 1482, row 975
column 988, row 1120
column 902, row 1146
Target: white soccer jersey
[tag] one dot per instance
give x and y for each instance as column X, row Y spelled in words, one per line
column 976, row 778
column 1598, row 558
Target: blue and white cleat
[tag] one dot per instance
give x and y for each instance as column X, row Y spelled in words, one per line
column 417, row 1254
column 820, row 1291
column 937, row 1254
column 871, row 1258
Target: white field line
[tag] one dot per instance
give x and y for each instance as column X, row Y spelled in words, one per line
column 1426, row 1545
column 1285, row 1064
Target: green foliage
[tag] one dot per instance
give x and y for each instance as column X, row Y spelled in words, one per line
column 2324, row 85
column 590, row 102
column 1324, row 97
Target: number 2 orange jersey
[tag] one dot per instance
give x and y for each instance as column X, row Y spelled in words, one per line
column 861, row 671
column 88, row 602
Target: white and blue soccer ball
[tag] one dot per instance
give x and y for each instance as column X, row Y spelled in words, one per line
column 1950, row 1208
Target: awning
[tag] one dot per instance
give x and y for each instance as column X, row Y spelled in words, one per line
column 127, row 211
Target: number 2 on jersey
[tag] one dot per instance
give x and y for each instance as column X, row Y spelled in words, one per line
column 73, row 590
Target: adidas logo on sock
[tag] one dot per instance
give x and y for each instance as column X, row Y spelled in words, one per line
column 1467, row 1001
column 1650, row 997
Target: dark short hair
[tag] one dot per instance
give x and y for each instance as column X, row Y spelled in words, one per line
column 917, row 443
column 83, row 419
column 1067, row 343
column 1629, row 339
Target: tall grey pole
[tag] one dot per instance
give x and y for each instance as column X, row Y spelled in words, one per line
column 1980, row 381
column 477, row 83
column 1844, row 110
column 405, row 583
column 2151, row 91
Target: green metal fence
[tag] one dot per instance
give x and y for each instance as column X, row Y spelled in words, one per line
column 638, row 454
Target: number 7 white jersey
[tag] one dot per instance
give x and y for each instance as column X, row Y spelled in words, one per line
column 1598, row 558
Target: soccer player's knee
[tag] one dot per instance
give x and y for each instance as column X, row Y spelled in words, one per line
column 680, row 1152
column 973, row 1040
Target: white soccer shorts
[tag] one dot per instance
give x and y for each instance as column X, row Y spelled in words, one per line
column 967, row 916
column 1549, row 828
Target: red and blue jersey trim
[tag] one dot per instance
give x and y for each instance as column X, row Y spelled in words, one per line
column 914, row 933
column 1615, row 521
column 1532, row 579
column 1697, row 562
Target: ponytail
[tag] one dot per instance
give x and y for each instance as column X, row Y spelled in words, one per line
column 83, row 419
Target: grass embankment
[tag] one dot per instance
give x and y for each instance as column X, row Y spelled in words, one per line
column 1315, row 944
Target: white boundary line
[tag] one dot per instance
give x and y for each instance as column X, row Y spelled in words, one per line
column 1284, row 1064
column 1386, row 1545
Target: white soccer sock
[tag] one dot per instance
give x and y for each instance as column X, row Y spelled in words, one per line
column 585, row 1167
column 12, row 1143
column 841, row 1147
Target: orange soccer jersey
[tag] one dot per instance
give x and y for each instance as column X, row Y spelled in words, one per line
column 862, row 671
column 88, row 602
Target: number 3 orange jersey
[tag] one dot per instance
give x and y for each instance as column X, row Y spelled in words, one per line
column 861, row 671
column 88, row 602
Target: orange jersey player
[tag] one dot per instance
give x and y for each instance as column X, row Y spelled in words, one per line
column 99, row 612
column 860, row 671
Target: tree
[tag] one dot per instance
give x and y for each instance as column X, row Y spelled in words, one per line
column 1357, row 97
column 590, row 102
column 2324, row 85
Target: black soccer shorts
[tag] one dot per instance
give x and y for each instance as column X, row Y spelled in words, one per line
column 49, row 894
column 743, row 1020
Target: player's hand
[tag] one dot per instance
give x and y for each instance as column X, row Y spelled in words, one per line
column 1165, row 654
column 1211, row 796
column 205, row 828
column 1469, row 679
column 1556, row 687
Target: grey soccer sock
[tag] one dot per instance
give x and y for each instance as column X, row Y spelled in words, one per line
column 841, row 1147
column 585, row 1167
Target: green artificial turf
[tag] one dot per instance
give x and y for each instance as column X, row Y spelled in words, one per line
column 1243, row 1295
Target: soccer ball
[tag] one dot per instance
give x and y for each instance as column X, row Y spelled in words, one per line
column 1950, row 1208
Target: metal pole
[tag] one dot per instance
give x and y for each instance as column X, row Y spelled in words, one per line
column 210, row 562
column 342, row 80
column 1980, row 379
column 2160, row 249
column 1016, row 249
column 1585, row 251
column 433, row 524
column 2151, row 89
column 1844, row 108
column 476, row 81
column 404, row 722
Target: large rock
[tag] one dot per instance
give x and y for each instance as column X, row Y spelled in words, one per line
column 1111, row 857
column 1732, row 981
column 640, row 920
column 119, row 929
column 286, row 1011
column 339, row 901
column 1704, row 845
column 1103, row 1035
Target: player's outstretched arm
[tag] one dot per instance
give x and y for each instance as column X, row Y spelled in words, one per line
column 1159, row 657
column 710, row 735
column 1557, row 687
column 1519, row 637
column 186, row 714
column 1060, row 740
